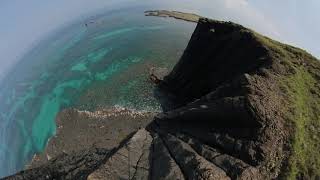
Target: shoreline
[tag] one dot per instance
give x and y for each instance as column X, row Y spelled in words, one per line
column 78, row 130
column 71, row 122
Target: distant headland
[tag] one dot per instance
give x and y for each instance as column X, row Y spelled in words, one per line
column 174, row 14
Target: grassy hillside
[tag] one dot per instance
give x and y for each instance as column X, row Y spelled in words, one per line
column 300, row 84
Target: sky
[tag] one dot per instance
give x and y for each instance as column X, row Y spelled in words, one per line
column 25, row 23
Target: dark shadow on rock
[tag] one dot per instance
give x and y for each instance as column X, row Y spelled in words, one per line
column 76, row 165
column 166, row 100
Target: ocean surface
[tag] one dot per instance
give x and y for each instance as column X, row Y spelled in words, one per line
column 103, row 64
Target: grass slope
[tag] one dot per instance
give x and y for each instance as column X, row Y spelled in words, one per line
column 301, row 88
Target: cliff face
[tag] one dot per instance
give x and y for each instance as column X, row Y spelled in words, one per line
column 256, row 90
column 217, row 53
column 238, row 106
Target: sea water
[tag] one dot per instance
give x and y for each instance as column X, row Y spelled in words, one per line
column 102, row 64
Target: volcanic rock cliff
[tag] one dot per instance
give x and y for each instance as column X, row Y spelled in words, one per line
column 237, row 105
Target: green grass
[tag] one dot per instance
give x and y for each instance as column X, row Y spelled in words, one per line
column 304, row 118
column 303, row 110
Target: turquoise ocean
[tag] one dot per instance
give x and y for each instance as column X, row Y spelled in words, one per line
column 102, row 64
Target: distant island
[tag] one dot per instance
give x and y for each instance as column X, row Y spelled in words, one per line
column 237, row 105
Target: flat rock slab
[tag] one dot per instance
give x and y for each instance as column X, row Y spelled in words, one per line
column 129, row 162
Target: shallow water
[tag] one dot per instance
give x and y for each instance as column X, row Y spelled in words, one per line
column 104, row 64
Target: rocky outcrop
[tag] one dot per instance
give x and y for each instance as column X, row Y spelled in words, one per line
column 237, row 105
column 240, row 93
column 157, row 74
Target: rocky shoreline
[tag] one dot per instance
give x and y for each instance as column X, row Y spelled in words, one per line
column 78, row 130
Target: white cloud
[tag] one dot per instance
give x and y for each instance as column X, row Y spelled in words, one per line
column 239, row 11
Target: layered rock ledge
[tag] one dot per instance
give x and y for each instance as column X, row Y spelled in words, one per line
column 238, row 105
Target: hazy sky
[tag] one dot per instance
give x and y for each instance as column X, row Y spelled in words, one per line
column 24, row 23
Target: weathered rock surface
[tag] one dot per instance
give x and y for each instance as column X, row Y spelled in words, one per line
column 164, row 166
column 129, row 162
column 235, row 168
column 233, row 114
column 193, row 165
column 67, row 166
